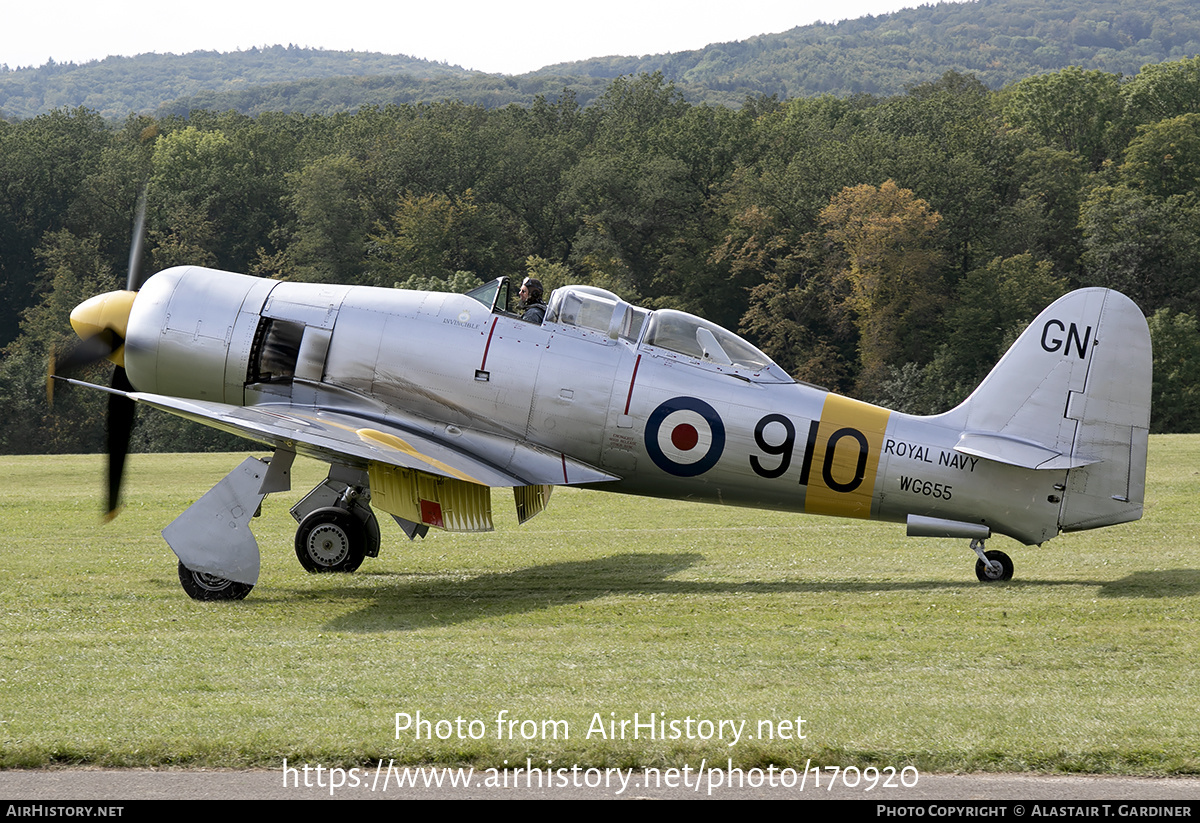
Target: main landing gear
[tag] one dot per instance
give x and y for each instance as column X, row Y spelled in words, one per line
column 330, row 540
column 993, row 565
column 337, row 527
column 218, row 555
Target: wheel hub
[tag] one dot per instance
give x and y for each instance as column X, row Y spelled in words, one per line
column 210, row 582
column 328, row 545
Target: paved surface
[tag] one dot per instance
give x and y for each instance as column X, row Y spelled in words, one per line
column 137, row 784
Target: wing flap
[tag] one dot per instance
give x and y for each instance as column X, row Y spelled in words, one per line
column 420, row 497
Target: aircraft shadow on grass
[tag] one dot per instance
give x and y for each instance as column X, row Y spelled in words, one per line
column 417, row 603
column 1158, row 583
column 440, row 601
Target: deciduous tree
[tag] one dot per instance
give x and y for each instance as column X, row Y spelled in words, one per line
column 890, row 260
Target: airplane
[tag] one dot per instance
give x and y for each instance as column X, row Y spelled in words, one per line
column 421, row 402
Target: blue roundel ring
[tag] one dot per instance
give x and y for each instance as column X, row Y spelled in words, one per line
column 710, row 416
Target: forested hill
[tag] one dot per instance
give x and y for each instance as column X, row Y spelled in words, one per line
column 117, row 86
column 998, row 41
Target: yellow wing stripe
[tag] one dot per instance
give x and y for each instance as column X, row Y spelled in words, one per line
column 393, row 442
column 851, row 428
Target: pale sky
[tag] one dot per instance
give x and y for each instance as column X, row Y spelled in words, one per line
column 489, row 35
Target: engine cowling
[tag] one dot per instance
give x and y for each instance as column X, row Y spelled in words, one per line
column 191, row 333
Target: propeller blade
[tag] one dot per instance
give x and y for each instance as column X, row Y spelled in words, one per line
column 84, row 353
column 120, row 426
column 133, row 281
column 89, row 350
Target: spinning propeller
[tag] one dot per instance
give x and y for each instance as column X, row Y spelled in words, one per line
column 102, row 324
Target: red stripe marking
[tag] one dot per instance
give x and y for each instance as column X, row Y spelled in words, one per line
column 632, row 378
column 483, row 365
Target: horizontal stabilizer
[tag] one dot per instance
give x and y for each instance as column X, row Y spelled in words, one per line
column 1016, row 452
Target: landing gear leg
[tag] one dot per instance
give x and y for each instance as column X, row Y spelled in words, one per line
column 991, row 566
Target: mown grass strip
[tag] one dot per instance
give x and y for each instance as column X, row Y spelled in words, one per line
column 603, row 607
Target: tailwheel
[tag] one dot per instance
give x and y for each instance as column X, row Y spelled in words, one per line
column 998, row 567
column 330, row 540
column 204, row 586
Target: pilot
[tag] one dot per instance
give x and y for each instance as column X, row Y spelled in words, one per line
column 534, row 309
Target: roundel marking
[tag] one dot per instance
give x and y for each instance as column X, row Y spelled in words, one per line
column 685, row 436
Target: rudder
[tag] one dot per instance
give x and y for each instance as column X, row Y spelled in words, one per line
column 1113, row 415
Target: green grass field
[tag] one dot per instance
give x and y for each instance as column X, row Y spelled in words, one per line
column 887, row 647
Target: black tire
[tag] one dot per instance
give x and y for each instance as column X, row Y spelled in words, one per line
column 330, row 540
column 987, row 575
column 203, row 586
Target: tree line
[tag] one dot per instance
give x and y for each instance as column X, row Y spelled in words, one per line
column 885, row 247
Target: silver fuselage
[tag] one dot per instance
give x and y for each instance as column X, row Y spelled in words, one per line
column 665, row 422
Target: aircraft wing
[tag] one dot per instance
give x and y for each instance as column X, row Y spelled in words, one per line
column 392, row 439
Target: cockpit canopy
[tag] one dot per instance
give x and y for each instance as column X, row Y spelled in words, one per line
column 665, row 332
column 493, row 294
column 587, row 307
column 694, row 337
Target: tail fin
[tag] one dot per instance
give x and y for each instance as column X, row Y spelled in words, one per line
column 1072, row 393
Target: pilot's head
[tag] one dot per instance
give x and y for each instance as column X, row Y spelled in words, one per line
column 531, row 290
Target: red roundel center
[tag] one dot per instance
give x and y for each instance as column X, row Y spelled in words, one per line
column 685, row 437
